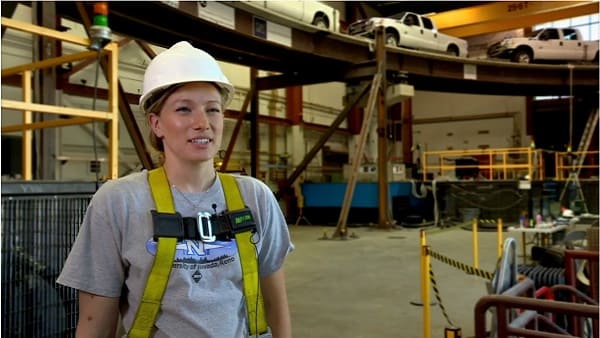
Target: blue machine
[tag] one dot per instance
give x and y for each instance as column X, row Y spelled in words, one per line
column 323, row 201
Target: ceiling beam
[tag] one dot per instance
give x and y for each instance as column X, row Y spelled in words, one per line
column 503, row 16
column 332, row 57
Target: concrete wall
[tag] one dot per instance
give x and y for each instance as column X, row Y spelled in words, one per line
column 502, row 132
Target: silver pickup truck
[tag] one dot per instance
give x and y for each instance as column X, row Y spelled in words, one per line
column 411, row 30
column 547, row 44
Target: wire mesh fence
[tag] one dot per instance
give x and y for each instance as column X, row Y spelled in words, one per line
column 39, row 226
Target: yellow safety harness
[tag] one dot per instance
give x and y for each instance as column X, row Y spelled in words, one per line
column 165, row 253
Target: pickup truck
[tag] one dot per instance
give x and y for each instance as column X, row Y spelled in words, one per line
column 311, row 12
column 411, row 30
column 547, row 44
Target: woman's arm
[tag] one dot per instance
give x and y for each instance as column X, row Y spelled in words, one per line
column 98, row 316
column 276, row 305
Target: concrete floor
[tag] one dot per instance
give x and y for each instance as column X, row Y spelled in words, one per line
column 365, row 287
column 368, row 286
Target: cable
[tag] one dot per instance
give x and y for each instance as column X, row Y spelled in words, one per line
column 100, row 35
column 570, row 66
column 488, row 196
column 254, row 243
column 436, row 208
column 423, row 189
column 94, row 144
column 515, row 203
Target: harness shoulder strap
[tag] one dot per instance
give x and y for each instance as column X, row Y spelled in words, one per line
column 163, row 261
column 257, row 322
column 158, row 278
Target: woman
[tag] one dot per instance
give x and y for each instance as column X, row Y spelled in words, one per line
column 184, row 96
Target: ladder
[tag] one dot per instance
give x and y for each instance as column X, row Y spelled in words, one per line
column 586, row 138
column 584, row 144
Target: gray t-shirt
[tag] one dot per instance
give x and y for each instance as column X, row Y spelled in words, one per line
column 114, row 251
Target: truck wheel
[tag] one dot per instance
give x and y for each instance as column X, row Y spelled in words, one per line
column 321, row 21
column 522, row 56
column 391, row 39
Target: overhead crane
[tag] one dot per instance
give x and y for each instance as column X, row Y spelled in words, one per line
column 502, row 16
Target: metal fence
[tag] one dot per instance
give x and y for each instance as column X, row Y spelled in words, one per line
column 40, row 221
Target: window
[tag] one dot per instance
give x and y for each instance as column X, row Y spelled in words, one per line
column 427, row 23
column 553, row 34
column 570, row 34
column 549, row 34
column 587, row 25
column 411, row 20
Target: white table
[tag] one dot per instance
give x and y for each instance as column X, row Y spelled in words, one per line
column 544, row 229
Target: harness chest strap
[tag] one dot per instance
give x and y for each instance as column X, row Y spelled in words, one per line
column 158, row 278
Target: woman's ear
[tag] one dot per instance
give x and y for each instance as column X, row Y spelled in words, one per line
column 154, row 123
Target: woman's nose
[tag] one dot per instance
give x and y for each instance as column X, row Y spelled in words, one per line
column 200, row 120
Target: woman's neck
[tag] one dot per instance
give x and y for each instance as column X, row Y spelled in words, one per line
column 191, row 178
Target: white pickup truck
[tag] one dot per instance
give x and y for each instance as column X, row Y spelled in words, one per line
column 411, row 30
column 547, row 44
column 308, row 11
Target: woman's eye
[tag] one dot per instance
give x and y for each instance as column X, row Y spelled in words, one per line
column 183, row 109
column 213, row 110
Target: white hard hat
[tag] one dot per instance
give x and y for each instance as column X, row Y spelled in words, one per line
column 568, row 213
column 180, row 64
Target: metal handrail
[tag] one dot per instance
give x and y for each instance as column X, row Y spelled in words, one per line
column 526, row 325
column 533, row 311
column 509, row 163
column 591, row 258
column 564, row 162
column 502, row 163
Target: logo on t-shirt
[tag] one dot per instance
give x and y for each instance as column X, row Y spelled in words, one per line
column 196, row 255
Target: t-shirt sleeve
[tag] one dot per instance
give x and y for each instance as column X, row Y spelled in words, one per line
column 94, row 264
column 274, row 237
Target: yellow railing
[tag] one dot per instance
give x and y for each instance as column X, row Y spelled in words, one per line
column 564, row 163
column 77, row 115
column 490, row 164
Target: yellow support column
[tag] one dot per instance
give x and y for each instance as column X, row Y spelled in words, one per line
column 425, row 260
column 530, row 163
column 475, row 244
column 500, row 239
column 113, row 108
column 27, row 134
column 504, row 172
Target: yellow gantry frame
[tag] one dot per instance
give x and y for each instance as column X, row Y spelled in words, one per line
column 79, row 116
column 503, row 16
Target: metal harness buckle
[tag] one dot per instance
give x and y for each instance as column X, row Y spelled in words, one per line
column 204, row 226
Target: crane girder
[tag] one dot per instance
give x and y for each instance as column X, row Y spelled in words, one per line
column 508, row 15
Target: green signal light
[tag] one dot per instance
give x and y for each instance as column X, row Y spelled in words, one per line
column 101, row 20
